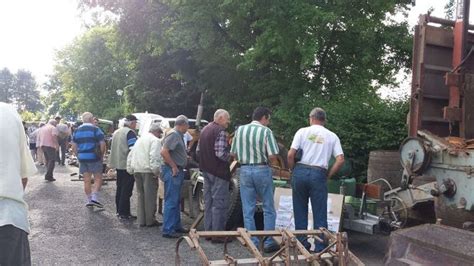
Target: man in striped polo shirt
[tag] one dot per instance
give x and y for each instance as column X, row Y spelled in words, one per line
column 253, row 146
column 89, row 146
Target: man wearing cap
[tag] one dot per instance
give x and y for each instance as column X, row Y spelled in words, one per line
column 309, row 176
column 123, row 140
column 48, row 141
column 214, row 150
column 16, row 164
column 175, row 159
column 144, row 162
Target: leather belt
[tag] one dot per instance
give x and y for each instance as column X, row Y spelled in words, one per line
column 312, row 166
column 253, row 164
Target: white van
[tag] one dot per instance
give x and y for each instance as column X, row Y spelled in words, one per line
column 144, row 121
column 169, row 123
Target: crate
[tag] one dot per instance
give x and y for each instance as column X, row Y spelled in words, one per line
column 356, row 202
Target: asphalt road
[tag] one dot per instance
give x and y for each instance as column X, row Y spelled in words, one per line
column 64, row 231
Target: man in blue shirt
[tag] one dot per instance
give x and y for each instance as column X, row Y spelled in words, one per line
column 89, row 147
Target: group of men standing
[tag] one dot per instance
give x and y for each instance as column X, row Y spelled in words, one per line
column 143, row 160
column 254, row 147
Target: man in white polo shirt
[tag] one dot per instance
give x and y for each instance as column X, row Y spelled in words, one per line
column 309, row 175
column 16, row 164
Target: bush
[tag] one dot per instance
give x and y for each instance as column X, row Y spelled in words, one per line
column 363, row 122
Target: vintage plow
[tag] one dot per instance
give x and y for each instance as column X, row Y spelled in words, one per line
column 291, row 250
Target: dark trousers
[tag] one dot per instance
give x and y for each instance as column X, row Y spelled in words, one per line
column 14, row 246
column 125, row 182
column 309, row 183
column 62, row 151
column 216, row 202
column 50, row 156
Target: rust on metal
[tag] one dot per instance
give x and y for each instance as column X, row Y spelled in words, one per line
column 442, row 91
column 453, row 79
column 430, row 244
column 291, row 250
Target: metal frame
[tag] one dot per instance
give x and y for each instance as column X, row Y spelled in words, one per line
column 291, row 250
column 441, row 60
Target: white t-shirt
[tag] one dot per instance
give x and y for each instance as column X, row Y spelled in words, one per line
column 15, row 163
column 318, row 145
column 187, row 138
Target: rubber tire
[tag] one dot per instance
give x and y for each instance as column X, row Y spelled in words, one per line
column 235, row 217
column 199, row 196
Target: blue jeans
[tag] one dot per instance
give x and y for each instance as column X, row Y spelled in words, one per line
column 309, row 183
column 257, row 181
column 172, row 208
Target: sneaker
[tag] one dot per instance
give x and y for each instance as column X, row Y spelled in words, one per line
column 97, row 204
column 89, row 204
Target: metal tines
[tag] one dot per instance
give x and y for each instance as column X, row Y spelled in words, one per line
column 291, row 250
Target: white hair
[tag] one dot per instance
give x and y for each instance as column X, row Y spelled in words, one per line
column 220, row 113
column 155, row 127
column 318, row 114
column 87, row 117
column 181, row 120
column 53, row 122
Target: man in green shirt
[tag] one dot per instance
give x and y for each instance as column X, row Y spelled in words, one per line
column 254, row 146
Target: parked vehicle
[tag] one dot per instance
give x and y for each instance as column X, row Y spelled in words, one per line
column 144, row 121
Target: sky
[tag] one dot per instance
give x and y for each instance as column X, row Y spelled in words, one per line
column 32, row 30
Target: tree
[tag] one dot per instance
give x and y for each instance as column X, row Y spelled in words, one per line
column 20, row 89
column 289, row 55
column 55, row 102
column 26, row 95
column 89, row 72
column 7, row 84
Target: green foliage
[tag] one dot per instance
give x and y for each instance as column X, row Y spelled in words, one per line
column 31, row 117
column 288, row 55
column 7, row 84
column 88, row 73
column 20, row 89
column 362, row 121
column 450, row 10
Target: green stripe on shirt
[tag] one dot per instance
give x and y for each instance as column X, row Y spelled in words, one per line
column 253, row 143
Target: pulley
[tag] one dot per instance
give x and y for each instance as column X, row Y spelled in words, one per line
column 414, row 156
